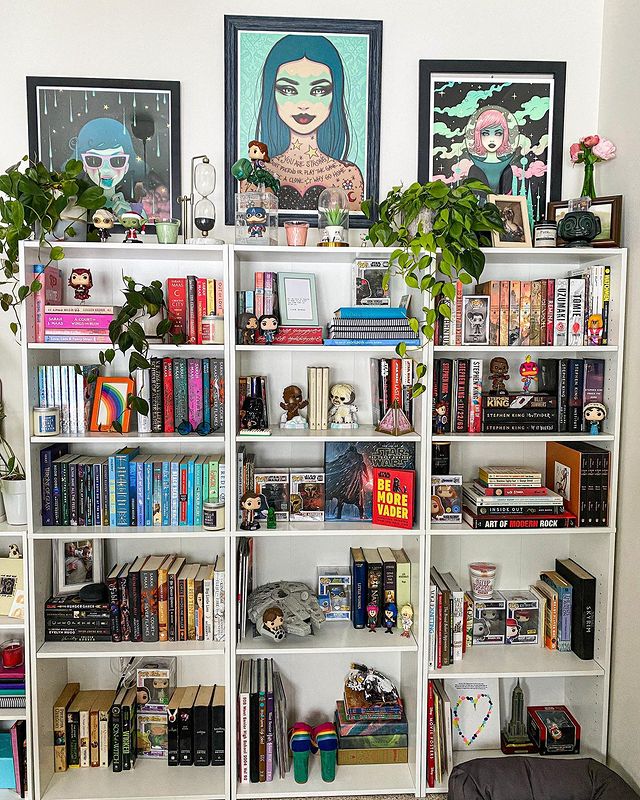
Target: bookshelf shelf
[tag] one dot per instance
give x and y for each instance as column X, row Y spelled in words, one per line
column 314, row 348
column 444, row 529
column 166, row 532
column 365, row 433
column 10, row 624
column 129, row 438
column 552, row 350
column 126, row 649
column 332, row 637
column 352, row 529
column 523, row 437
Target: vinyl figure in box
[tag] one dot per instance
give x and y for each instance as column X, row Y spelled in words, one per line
column 81, row 281
column 256, row 217
column 512, row 631
column 406, row 620
column 268, row 325
column 248, row 326
column 594, row 415
column 292, row 405
column 372, row 617
column 499, row 373
column 342, row 413
column 250, row 502
column 389, row 617
column 528, row 373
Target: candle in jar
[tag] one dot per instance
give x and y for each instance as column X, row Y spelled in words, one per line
column 12, row 654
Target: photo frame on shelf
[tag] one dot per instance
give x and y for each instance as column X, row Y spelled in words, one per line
column 500, row 122
column 76, row 563
column 110, row 404
column 297, row 299
column 125, row 132
column 608, row 209
column 335, row 142
column 515, row 218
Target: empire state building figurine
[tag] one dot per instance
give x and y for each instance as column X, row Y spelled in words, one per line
column 514, row 739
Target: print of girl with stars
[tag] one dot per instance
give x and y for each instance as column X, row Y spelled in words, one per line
column 304, row 123
column 491, row 139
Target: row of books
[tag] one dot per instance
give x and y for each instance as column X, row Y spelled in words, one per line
column 13, row 758
column 439, row 733
column 262, row 299
column 182, row 390
column 564, row 387
column 371, row 325
column 188, row 301
column 380, row 586
column 128, row 488
column 152, row 599
column 318, row 394
column 263, row 746
column 391, row 382
column 59, row 386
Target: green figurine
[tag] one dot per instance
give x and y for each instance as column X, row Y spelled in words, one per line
column 254, row 171
column 271, row 519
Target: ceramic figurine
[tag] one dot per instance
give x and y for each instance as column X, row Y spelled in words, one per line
column 133, row 222
column 258, row 154
column 248, row 325
column 271, row 519
column 250, row 502
column 499, row 373
column 372, row 617
column 390, row 617
column 441, row 418
column 256, row 217
column 81, row 281
column 268, row 326
column 406, row 620
column 292, row 405
column 594, row 415
column 342, row 413
column 252, row 413
column 103, row 220
column 528, row 373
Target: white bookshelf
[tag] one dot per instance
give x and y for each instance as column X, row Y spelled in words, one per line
column 313, row 668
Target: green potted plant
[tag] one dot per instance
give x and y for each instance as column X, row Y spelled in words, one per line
column 438, row 232
column 13, row 485
column 44, row 203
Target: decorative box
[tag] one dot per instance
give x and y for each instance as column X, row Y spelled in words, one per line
column 446, row 498
column 553, row 729
column 489, row 618
column 334, row 592
column 522, row 624
column 152, row 738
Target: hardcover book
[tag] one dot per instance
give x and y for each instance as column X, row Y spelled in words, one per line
column 393, row 497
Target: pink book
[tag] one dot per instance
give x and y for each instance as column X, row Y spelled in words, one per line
column 71, row 338
column 219, row 298
column 551, row 294
column 50, row 279
column 269, row 292
column 13, row 673
column 92, row 321
column 459, row 288
column 260, row 308
column 201, row 306
column 177, row 305
column 17, row 757
column 194, row 389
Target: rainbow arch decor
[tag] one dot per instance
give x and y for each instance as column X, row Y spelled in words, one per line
column 110, row 404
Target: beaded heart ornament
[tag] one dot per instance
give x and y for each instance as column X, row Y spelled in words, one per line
column 474, row 699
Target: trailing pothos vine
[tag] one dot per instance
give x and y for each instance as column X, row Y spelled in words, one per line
column 433, row 257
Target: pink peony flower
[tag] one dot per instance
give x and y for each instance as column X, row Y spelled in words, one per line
column 605, row 150
column 574, row 152
column 590, row 141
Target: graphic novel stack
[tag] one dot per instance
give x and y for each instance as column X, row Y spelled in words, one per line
column 370, row 325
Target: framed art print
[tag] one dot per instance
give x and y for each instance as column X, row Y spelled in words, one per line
column 514, row 213
column 500, row 122
column 608, row 209
column 125, row 132
column 76, row 563
column 297, row 299
column 309, row 89
column 110, row 404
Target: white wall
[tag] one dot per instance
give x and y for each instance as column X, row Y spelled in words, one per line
column 619, row 120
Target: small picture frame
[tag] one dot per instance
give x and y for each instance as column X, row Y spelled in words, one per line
column 607, row 209
column 515, row 217
column 76, row 563
column 110, row 404
column 298, row 305
column 475, row 319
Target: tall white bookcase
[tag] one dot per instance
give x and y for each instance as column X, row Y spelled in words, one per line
column 313, row 668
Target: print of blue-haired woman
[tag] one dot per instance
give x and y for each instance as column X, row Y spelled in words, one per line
column 106, row 150
column 304, row 123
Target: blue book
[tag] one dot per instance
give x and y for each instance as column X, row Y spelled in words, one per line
column 371, row 312
column 565, row 600
column 182, row 491
column 206, row 383
column 42, row 386
column 7, row 772
column 47, row 457
column 175, row 489
column 190, row 488
column 139, row 464
column 112, row 490
column 370, row 342
column 197, row 492
column 358, row 588
column 166, row 490
column 133, row 492
column 121, row 471
column 148, row 492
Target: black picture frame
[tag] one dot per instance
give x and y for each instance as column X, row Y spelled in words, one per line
column 34, row 83
column 233, row 25
column 556, row 70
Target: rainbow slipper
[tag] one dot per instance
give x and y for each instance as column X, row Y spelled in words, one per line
column 301, row 744
column 325, row 738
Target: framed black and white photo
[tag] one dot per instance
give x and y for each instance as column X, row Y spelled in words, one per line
column 500, row 122
column 515, row 220
column 125, row 132
column 297, row 299
column 76, row 563
column 475, row 319
column 308, row 89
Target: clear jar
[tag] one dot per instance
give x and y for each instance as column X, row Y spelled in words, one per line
column 256, row 218
column 333, row 218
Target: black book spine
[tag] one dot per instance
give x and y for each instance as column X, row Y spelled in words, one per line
column 548, row 375
column 116, row 738
column 88, row 484
column 444, row 390
column 563, row 393
column 73, row 738
column 135, row 606
column 157, row 405
column 374, row 588
column 185, row 736
column 201, row 736
column 114, row 610
column 73, row 494
column 81, row 496
column 173, row 740
column 254, row 724
column 46, row 492
column 604, row 489
column 520, row 415
column 64, row 491
column 583, row 612
column 436, row 390
column 126, row 737
column 575, row 380
column 515, row 427
column 57, row 496
column 217, row 734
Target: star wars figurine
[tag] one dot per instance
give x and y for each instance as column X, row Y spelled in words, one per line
column 342, row 413
column 372, row 617
column 256, row 218
column 594, row 415
column 103, row 220
column 132, row 222
column 390, row 617
column 292, row 405
column 268, row 325
column 250, row 502
column 248, row 325
column 81, row 281
column 528, row 373
column 406, row 620
column 499, row 373
column 252, row 413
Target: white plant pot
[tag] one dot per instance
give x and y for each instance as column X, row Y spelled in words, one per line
column 334, row 233
column 14, row 495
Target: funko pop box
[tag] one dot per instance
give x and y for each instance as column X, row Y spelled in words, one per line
column 446, row 498
column 155, row 682
column 489, row 617
column 522, row 608
column 553, row 729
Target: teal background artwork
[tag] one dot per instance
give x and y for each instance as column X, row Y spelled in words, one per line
column 253, row 48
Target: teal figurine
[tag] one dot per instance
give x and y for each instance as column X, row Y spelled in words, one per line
column 271, row 519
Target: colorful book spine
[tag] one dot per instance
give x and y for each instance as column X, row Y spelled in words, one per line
column 194, row 391
column 167, row 394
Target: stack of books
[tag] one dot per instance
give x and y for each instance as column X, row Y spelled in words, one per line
column 450, row 608
column 580, row 473
column 67, row 618
column 78, row 324
column 188, row 301
column 59, row 386
column 263, row 745
column 195, row 730
column 318, row 394
column 128, row 488
column 12, row 687
column 510, row 497
column 391, row 382
column 181, row 390
column 370, row 325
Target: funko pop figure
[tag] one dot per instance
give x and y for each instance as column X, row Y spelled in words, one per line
column 512, row 630
column 273, row 623
column 103, row 220
column 268, row 325
column 594, row 415
column 343, row 409
column 372, row 617
column 248, row 325
column 81, row 281
column 258, row 154
column 595, row 326
column 499, row 373
column 292, row 405
column 528, row 373
column 133, row 222
column 250, row 502
column 406, row 620
column 440, row 420
column 256, row 222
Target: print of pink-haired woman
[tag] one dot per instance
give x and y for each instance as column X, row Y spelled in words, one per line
column 491, row 139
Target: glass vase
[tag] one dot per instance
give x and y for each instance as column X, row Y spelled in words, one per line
column 588, row 184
